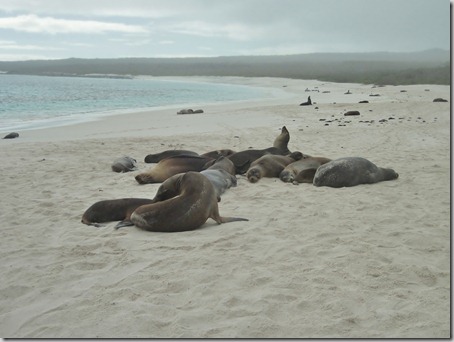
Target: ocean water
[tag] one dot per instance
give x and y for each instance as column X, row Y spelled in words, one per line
column 29, row 102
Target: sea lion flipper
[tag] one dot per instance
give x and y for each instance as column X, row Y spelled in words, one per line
column 231, row 219
column 124, row 223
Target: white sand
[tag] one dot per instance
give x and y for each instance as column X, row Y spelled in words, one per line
column 366, row 261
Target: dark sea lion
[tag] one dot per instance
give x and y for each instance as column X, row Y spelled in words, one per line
column 124, row 164
column 11, row 135
column 351, row 171
column 157, row 157
column 170, row 166
column 307, row 103
column 218, row 153
column 194, row 202
column 294, row 171
column 221, row 163
column 112, row 210
column 267, row 166
column 243, row 159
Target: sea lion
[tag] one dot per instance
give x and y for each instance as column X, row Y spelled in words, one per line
column 243, row 159
column 351, row 171
column 194, row 202
column 11, row 135
column 124, row 164
column 157, row 157
column 221, row 174
column 294, row 171
column 267, row 166
column 307, row 103
column 218, row 153
column 170, row 166
column 112, row 210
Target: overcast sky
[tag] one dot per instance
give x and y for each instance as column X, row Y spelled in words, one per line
column 49, row 29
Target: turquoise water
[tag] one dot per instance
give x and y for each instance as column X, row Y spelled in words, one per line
column 28, row 102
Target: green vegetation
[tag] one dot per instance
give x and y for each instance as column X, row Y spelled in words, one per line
column 426, row 67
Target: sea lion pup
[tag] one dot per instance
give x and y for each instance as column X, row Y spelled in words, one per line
column 221, row 174
column 303, row 170
column 351, row 171
column 124, row 164
column 112, row 210
column 194, row 202
column 170, row 166
column 243, row 159
column 269, row 166
column 157, row 157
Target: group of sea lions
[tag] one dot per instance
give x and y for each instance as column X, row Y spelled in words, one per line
column 192, row 183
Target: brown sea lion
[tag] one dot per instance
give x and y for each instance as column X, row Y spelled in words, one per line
column 112, row 210
column 267, row 166
column 124, row 164
column 221, row 163
column 157, row 157
column 351, row 171
column 194, row 202
column 243, row 159
column 172, row 166
column 303, row 170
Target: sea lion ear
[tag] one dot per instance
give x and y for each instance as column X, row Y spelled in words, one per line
column 208, row 164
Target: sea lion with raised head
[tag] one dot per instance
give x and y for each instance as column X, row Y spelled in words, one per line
column 351, row 171
column 112, row 210
column 157, row 157
column 170, row 166
column 243, row 159
column 183, row 202
column 124, row 164
column 303, row 170
column 269, row 166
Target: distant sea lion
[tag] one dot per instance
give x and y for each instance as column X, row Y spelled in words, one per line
column 194, row 202
column 351, row 171
column 112, row 210
column 352, row 113
column 243, row 159
column 170, row 166
column 11, row 135
column 303, row 170
column 157, row 157
column 439, row 99
column 267, row 166
column 124, row 164
column 307, row 103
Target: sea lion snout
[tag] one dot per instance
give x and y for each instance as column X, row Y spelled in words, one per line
column 253, row 175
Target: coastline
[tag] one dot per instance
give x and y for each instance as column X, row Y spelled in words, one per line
column 371, row 261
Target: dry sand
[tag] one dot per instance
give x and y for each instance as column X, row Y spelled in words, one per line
column 366, row 261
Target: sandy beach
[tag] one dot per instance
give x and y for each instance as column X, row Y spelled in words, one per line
column 370, row 261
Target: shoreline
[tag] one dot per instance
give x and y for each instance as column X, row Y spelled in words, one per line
column 151, row 120
column 370, row 261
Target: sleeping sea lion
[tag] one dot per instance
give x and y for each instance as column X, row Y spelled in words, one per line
column 170, row 166
column 303, row 170
column 268, row 166
column 112, row 210
column 351, row 171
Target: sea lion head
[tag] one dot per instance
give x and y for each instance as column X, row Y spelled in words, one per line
column 253, row 175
